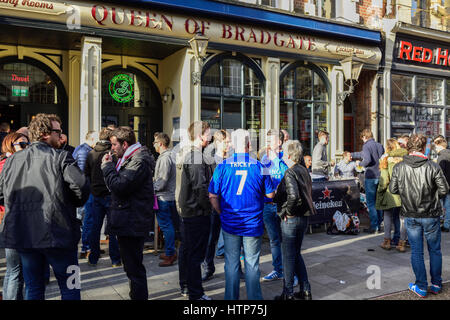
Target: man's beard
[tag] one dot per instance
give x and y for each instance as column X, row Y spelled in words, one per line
column 56, row 144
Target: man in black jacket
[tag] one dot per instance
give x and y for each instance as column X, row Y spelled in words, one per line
column 191, row 194
column 101, row 200
column 443, row 161
column 41, row 187
column 132, row 198
column 420, row 183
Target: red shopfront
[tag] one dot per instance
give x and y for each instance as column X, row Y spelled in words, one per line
column 420, row 87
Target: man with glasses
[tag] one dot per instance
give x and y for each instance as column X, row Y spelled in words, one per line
column 40, row 193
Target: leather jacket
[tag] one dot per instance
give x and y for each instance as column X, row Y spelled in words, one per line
column 294, row 193
column 420, row 183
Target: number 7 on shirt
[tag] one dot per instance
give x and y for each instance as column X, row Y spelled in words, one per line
column 242, row 173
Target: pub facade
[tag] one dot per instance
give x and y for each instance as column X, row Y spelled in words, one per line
column 100, row 63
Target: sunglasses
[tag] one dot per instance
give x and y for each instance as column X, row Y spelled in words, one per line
column 59, row 131
column 23, row 145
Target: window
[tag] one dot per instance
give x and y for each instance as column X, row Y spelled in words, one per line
column 232, row 94
column 23, row 82
column 417, row 105
column 303, row 105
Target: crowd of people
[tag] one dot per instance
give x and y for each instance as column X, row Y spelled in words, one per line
column 216, row 197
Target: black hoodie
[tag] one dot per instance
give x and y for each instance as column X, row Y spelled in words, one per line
column 420, row 183
column 93, row 171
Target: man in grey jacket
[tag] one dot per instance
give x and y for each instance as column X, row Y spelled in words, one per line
column 320, row 164
column 164, row 184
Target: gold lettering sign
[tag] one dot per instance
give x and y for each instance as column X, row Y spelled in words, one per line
column 118, row 17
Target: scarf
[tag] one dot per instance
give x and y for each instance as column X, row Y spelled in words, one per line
column 128, row 154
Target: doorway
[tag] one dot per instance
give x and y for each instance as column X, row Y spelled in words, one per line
column 349, row 126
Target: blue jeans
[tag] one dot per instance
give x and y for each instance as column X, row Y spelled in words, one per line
column 292, row 232
column 208, row 264
column 13, row 282
column 417, row 228
column 397, row 224
column 164, row 216
column 252, row 252
column 87, row 224
column 34, row 262
column 272, row 224
column 375, row 216
column 446, row 205
column 220, row 245
column 99, row 210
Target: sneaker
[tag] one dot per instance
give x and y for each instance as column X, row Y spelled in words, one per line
column 116, row 265
column 414, row 288
column 274, row 275
column 435, row 289
column 91, row 264
column 184, row 292
column 205, row 297
column 295, row 281
column 207, row 276
column 444, row 229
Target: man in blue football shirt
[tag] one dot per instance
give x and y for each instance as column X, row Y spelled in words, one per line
column 273, row 161
column 237, row 192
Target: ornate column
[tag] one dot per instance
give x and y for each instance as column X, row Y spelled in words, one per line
column 90, row 87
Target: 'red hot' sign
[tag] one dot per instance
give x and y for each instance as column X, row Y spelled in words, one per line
column 409, row 52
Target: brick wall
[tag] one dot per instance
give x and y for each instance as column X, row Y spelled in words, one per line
column 369, row 10
column 363, row 106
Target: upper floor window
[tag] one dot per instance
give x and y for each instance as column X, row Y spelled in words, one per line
column 279, row 4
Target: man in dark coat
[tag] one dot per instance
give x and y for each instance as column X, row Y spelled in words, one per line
column 443, row 160
column 130, row 181
column 40, row 188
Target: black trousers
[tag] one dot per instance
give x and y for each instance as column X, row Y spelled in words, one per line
column 194, row 240
column 131, row 251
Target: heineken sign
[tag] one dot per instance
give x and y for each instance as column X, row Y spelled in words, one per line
column 121, row 88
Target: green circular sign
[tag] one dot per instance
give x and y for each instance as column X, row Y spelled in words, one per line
column 121, row 88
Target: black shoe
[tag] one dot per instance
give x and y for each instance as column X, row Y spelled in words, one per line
column 444, row 229
column 207, row 276
column 102, row 251
column 221, row 256
column 307, row 295
column 371, row 231
column 284, row 296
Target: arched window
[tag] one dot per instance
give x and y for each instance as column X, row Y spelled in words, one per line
column 130, row 98
column 29, row 87
column 303, row 103
column 233, row 93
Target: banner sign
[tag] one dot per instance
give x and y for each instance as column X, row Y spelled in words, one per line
column 155, row 22
column 331, row 196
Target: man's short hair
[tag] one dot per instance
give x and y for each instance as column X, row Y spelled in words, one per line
column 90, row 135
column 366, row 133
column 417, row 142
column 164, row 138
column 240, row 138
column 404, row 136
column 105, row 133
column 123, row 134
column 293, row 149
column 220, row 135
column 440, row 141
column 4, row 127
column 41, row 125
column 322, row 133
column 195, row 127
column 274, row 132
column 346, row 153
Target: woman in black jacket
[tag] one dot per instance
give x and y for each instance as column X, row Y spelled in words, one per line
column 295, row 199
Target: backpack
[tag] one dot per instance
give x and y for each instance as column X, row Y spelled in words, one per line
column 344, row 223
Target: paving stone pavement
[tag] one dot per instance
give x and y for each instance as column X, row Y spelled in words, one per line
column 337, row 269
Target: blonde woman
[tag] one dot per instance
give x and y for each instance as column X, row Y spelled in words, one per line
column 387, row 201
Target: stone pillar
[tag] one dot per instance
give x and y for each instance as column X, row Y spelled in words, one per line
column 74, row 98
column 90, row 87
column 336, row 128
column 272, row 98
